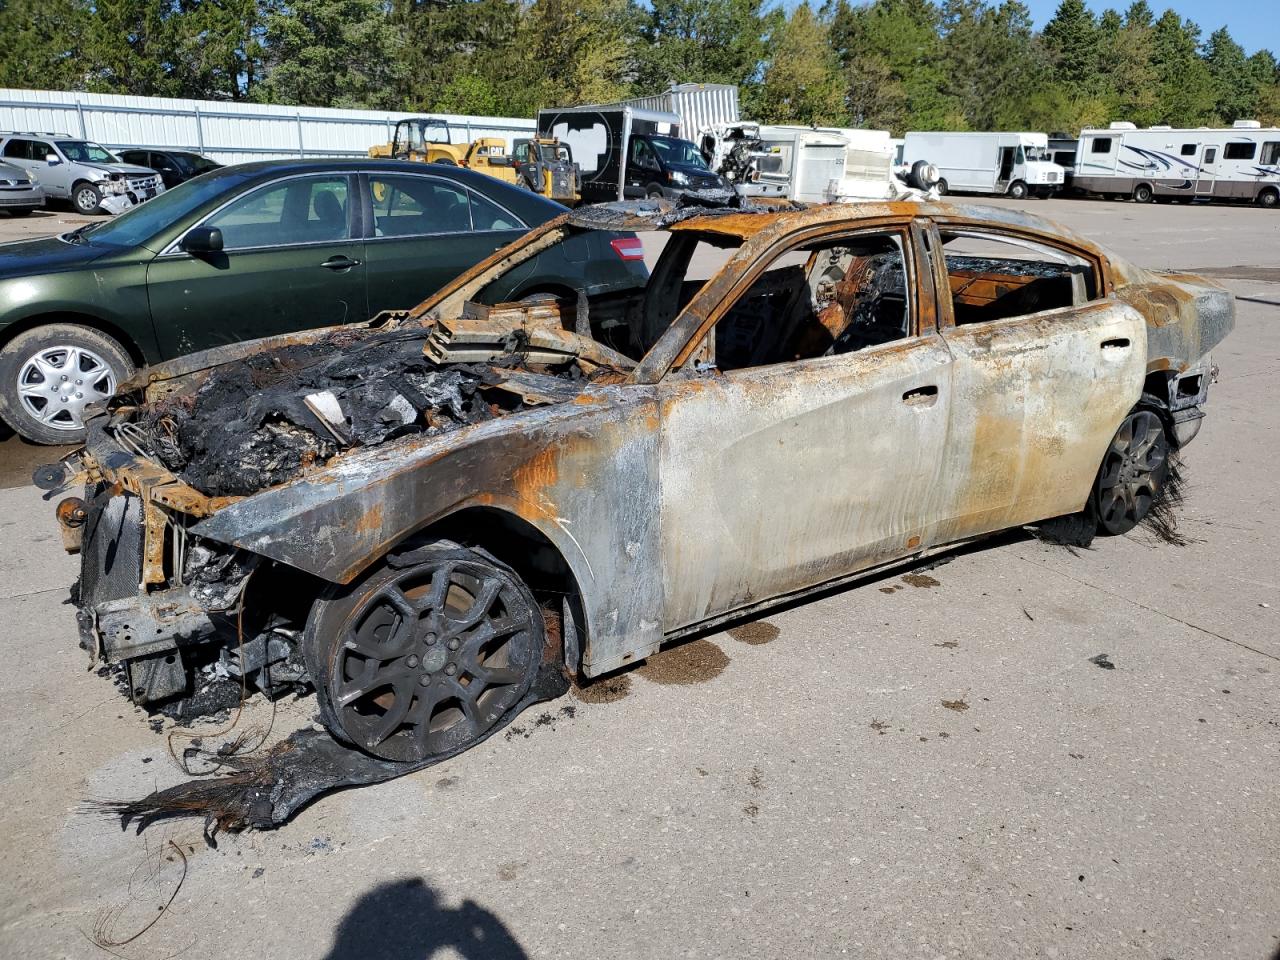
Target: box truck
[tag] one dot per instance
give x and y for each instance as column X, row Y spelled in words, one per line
column 625, row 152
column 1016, row 164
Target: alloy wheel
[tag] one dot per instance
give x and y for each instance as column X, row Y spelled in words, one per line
column 1133, row 471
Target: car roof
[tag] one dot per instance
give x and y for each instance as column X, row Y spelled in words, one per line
column 748, row 220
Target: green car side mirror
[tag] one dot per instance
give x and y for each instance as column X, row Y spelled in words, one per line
column 201, row 240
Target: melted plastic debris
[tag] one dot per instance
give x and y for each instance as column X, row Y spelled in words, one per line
column 263, row 791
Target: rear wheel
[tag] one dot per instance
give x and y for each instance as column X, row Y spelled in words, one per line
column 1142, row 193
column 48, row 375
column 426, row 655
column 942, row 188
column 1132, row 474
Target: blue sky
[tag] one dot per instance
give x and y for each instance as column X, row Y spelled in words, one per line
column 1253, row 23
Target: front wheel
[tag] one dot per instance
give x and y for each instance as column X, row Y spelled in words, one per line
column 86, row 198
column 1269, row 199
column 1133, row 473
column 48, row 375
column 426, row 655
column 1018, row 190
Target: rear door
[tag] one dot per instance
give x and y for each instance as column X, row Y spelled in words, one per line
column 1045, row 369
column 291, row 260
column 422, row 231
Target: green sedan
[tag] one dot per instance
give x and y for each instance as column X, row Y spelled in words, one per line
column 255, row 250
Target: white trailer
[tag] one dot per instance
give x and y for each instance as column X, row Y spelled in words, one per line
column 698, row 105
column 1016, row 164
column 1241, row 162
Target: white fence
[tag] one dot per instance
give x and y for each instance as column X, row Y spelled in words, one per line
column 226, row 131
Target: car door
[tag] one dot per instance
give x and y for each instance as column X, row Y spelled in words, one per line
column 1046, row 366
column 818, row 459
column 291, row 260
column 642, row 168
column 423, row 231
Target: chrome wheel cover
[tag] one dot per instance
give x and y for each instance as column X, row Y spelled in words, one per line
column 56, row 383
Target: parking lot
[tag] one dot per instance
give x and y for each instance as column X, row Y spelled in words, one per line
column 929, row 764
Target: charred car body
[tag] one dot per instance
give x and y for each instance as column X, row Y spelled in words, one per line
column 417, row 515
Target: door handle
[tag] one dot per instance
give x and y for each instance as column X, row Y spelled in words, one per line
column 1118, row 343
column 340, row 263
column 924, row 396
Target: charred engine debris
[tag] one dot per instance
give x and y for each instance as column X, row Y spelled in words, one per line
column 261, row 422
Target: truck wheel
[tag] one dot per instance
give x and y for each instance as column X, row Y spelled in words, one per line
column 85, row 197
column 425, row 655
column 445, row 161
column 654, row 192
column 1269, row 198
column 1142, row 193
column 942, row 187
column 1018, row 190
column 49, row 374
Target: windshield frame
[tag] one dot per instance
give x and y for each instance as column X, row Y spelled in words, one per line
column 663, row 146
column 154, row 224
column 62, row 146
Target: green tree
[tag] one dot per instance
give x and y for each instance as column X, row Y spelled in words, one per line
column 41, row 43
column 1235, row 88
column 572, row 53
column 992, row 62
column 703, row 41
column 802, row 81
column 218, row 46
column 1186, row 95
column 330, row 53
column 1127, row 77
column 892, row 59
column 1071, row 38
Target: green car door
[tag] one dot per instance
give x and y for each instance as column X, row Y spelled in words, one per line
column 291, row 259
column 423, row 232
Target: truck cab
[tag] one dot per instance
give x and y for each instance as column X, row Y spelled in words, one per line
column 665, row 166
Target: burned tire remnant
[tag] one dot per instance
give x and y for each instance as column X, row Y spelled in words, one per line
column 424, row 655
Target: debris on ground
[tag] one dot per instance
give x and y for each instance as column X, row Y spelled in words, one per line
column 1103, row 660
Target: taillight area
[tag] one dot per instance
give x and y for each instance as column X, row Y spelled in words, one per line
column 628, row 248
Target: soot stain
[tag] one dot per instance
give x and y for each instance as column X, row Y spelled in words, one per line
column 756, row 633
column 920, row 580
column 606, row 690
column 689, row 663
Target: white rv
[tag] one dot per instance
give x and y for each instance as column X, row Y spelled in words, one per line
column 1016, row 164
column 1236, row 163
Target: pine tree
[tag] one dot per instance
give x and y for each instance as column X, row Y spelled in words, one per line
column 1235, row 89
column 703, row 41
column 330, row 53
column 1186, row 90
column 1071, row 38
column 41, row 43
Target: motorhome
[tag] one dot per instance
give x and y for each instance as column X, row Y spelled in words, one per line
column 626, row 152
column 1016, row 164
column 1241, row 162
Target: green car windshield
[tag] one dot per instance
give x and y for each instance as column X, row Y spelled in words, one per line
column 138, row 225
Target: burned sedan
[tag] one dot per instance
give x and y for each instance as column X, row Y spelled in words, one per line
column 424, row 517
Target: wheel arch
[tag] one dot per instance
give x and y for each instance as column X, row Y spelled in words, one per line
column 112, row 330
column 542, row 563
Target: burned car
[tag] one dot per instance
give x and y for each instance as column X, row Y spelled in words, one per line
column 421, row 516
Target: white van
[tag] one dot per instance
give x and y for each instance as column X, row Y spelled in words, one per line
column 1016, row 164
column 1241, row 162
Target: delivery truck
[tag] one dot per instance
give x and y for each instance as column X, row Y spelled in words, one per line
column 1013, row 164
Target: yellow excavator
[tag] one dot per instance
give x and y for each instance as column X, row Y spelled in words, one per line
column 540, row 165
column 418, row 139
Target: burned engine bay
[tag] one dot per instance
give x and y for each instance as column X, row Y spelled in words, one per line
column 201, row 634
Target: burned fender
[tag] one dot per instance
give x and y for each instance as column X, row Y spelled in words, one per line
column 587, row 465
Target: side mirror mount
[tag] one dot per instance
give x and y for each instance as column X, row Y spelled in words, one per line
column 202, row 240
column 52, row 159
